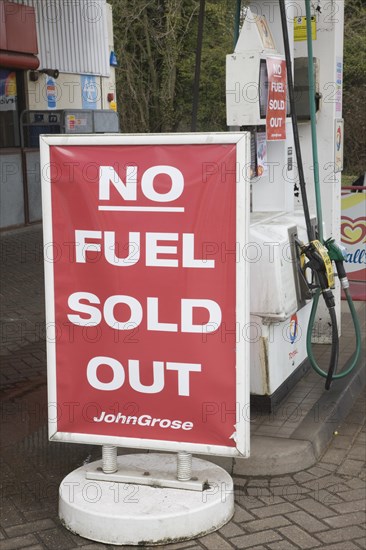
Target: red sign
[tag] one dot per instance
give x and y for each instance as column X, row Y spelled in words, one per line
column 142, row 288
column 277, row 95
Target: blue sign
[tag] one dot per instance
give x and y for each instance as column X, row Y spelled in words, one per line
column 51, row 93
column 89, row 91
column 113, row 60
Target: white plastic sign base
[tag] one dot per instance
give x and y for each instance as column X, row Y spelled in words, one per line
column 128, row 514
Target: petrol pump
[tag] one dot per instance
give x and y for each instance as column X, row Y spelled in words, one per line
column 284, row 85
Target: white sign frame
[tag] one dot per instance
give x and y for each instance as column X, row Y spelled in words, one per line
column 242, row 426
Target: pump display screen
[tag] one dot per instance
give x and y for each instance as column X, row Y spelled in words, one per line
column 263, row 88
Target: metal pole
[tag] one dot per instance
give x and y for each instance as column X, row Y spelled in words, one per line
column 197, row 73
column 237, row 21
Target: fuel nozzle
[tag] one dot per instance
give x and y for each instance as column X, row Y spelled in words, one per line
column 320, row 262
column 321, row 265
column 337, row 254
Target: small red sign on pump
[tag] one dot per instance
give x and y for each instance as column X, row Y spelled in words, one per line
column 277, row 95
column 147, row 290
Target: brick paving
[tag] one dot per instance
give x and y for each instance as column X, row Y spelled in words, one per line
column 320, row 507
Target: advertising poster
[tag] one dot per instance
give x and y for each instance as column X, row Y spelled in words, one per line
column 142, row 290
column 70, row 122
column 339, row 86
column 89, row 91
column 277, row 99
column 76, row 124
column 338, row 148
column 8, row 90
column 262, row 166
column 265, row 32
column 353, row 234
column 51, row 92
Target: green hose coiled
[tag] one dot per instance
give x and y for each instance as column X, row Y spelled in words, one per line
column 356, row 355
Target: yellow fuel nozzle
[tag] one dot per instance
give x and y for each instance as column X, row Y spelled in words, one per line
column 327, row 262
column 321, row 265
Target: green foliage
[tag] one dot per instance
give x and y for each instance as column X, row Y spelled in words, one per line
column 217, row 42
column 354, row 99
column 355, row 43
column 155, row 42
column 148, row 38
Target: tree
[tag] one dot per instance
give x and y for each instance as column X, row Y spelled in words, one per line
column 155, row 42
column 149, row 35
column 354, row 96
column 217, row 43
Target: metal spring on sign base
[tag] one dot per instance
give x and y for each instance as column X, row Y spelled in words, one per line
column 109, row 455
column 184, row 466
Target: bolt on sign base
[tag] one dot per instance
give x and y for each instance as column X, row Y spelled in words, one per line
column 132, row 514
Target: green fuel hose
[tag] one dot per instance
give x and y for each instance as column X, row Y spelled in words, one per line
column 330, row 375
column 314, row 140
column 355, row 357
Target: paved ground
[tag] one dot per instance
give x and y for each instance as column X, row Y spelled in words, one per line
column 322, row 506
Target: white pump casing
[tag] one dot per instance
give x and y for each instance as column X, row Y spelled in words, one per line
column 273, row 296
column 275, row 354
column 243, row 81
column 274, row 292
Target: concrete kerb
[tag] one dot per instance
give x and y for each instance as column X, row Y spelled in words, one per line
column 275, row 456
column 337, row 403
column 278, row 456
column 271, row 456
